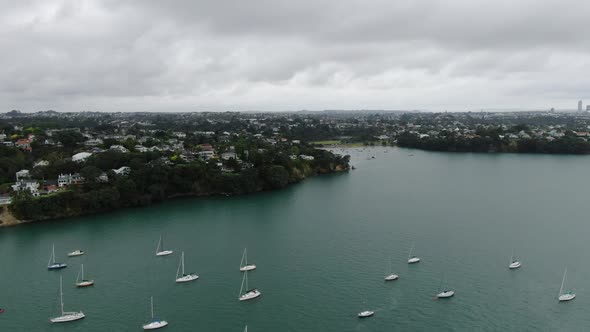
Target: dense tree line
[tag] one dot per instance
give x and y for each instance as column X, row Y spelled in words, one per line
column 568, row 144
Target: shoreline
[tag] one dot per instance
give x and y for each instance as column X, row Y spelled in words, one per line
column 7, row 219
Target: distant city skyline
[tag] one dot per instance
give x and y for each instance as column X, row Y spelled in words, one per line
column 281, row 55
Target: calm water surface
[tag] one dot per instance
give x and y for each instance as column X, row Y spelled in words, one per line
column 322, row 250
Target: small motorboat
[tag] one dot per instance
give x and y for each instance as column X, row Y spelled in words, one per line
column 75, row 253
column 365, row 314
column 445, row 294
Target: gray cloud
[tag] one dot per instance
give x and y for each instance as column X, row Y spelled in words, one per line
column 287, row 55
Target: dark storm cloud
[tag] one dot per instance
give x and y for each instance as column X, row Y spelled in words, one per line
column 278, row 55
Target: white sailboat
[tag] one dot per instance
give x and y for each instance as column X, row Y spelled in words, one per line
column 80, row 281
column 392, row 276
column 365, row 313
column 244, row 266
column 184, row 277
column 444, row 293
column 514, row 264
column 155, row 323
column 65, row 316
column 160, row 251
column 52, row 264
column 250, row 293
column 567, row 296
column 77, row 252
column 411, row 258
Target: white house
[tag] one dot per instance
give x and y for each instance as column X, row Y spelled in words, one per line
column 80, row 157
column 27, row 185
column 67, row 179
column 23, row 174
column 119, row 148
column 125, row 170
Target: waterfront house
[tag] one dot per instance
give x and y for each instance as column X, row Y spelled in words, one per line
column 68, row 179
column 24, row 144
column 31, row 186
column 23, row 174
column 123, row 171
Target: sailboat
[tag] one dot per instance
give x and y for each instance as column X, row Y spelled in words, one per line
column 567, row 296
column 184, row 277
column 514, row 264
column 160, row 249
column 392, row 276
column 250, row 293
column 444, row 293
column 52, row 264
column 412, row 259
column 365, row 313
column 65, row 316
column 244, row 266
column 155, row 323
column 80, row 281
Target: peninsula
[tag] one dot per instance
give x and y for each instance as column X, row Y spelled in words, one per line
column 58, row 165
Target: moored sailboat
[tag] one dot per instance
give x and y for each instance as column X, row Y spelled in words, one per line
column 568, row 295
column 184, row 277
column 244, row 266
column 52, row 264
column 412, row 259
column 514, row 264
column 155, row 323
column 250, row 293
column 80, row 281
column 65, row 316
column 160, row 251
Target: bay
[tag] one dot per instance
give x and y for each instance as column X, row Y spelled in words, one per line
column 323, row 247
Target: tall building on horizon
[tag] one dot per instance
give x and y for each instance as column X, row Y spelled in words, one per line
column 580, row 106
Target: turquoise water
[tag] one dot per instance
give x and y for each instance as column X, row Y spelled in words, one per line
column 323, row 248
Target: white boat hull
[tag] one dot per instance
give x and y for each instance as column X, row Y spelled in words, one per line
column 514, row 265
column 155, row 325
column 567, row 297
column 413, row 260
column 164, row 253
column 248, row 267
column 68, row 317
column 365, row 314
column 76, row 253
column 446, row 294
column 391, row 277
column 188, row 277
column 249, row 295
column 85, row 283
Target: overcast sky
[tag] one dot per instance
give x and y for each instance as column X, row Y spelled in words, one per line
column 275, row 55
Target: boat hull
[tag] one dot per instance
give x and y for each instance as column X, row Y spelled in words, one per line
column 75, row 253
column 413, row 260
column 445, row 295
column 248, row 267
column 365, row 314
column 155, row 325
column 566, row 297
column 164, row 253
column 249, row 295
column 57, row 266
column 85, row 283
column 514, row 265
column 187, row 278
column 391, row 277
column 68, row 317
